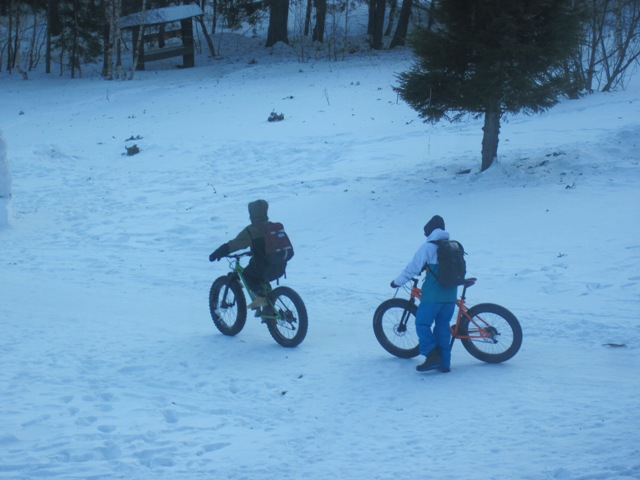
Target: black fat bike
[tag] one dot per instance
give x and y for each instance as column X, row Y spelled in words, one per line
column 285, row 313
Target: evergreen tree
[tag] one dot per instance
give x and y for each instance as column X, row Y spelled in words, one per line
column 81, row 25
column 490, row 57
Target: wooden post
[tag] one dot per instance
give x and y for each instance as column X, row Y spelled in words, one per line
column 188, row 60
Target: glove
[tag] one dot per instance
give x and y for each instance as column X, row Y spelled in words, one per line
column 393, row 284
column 220, row 252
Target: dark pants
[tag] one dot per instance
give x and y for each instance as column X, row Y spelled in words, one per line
column 254, row 276
column 259, row 273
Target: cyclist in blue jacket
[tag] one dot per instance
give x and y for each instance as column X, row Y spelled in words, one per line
column 437, row 303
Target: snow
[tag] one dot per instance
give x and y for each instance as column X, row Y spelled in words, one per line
column 155, row 16
column 112, row 368
column 5, row 185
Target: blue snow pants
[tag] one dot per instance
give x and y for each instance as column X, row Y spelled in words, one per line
column 441, row 314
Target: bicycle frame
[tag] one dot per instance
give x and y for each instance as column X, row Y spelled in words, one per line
column 483, row 332
column 236, row 271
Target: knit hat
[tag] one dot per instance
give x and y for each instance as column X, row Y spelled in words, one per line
column 435, row 222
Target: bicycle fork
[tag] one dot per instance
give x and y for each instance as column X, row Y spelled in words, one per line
column 402, row 325
column 224, row 304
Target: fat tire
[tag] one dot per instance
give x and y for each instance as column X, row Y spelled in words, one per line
column 508, row 328
column 385, row 322
column 290, row 326
column 230, row 318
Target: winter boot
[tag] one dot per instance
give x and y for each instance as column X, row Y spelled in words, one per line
column 431, row 362
column 257, row 303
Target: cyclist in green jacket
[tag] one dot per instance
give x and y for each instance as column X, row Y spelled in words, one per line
column 257, row 272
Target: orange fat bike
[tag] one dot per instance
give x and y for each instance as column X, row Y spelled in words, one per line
column 489, row 332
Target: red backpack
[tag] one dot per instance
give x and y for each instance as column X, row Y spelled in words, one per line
column 277, row 246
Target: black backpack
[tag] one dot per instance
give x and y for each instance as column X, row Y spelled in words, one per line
column 452, row 267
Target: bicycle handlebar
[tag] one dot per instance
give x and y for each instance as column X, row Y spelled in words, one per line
column 238, row 256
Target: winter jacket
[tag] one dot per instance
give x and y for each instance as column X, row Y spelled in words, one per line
column 427, row 254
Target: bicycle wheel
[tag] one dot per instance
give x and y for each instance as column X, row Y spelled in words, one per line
column 504, row 333
column 228, row 306
column 394, row 323
column 289, row 323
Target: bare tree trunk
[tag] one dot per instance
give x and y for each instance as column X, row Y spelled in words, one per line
column 207, row 37
column 321, row 19
column 400, row 35
column 10, row 54
column 278, row 22
column 138, row 46
column 346, row 30
column 109, row 39
column 372, row 17
column 214, row 18
column 618, row 29
column 611, row 43
column 378, row 25
column 74, row 58
column 62, row 51
column 432, row 5
column 491, row 131
column 307, row 18
column 16, row 39
column 626, row 48
column 117, row 5
column 9, row 30
column 393, row 7
column 596, row 26
column 47, row 54
column 32, row 46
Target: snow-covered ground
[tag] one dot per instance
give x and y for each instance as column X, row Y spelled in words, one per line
column 112, row 368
